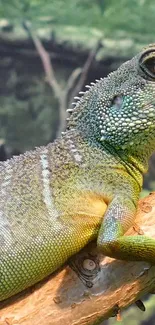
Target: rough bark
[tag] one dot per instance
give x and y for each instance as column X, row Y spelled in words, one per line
column 89, row 290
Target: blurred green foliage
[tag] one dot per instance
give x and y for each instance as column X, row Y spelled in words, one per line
column 28, row 109
column 78, row 23
column 134, row 18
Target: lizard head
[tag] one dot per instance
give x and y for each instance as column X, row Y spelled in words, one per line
column 119, row 110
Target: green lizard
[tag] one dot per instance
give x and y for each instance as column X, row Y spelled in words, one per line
column 85, row 185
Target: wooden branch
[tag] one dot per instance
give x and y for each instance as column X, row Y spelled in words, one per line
column 46, row 61
column 72, row 78
column 60, row 93
column 89, row 290
column 85, row 70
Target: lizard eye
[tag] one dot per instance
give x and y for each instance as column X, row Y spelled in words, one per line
column 147, row 63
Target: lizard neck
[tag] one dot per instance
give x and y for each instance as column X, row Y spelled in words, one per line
column 137, row 154
column 136, row 166
column 93, row 153
column 134, row 161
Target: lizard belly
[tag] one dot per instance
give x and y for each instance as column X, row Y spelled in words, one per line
column 34, row 247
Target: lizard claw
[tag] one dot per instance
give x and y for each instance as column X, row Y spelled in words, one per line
column 140, row 305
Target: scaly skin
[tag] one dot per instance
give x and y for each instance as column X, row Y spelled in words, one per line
column 85, row 185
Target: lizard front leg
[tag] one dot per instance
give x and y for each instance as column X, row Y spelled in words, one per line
column 118, row 218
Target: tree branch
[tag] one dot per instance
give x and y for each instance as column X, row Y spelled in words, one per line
column 50, row 77
column 85, row 70
column 46, row 61
column 72, row 78
column 62, row 94
column 89, row 290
